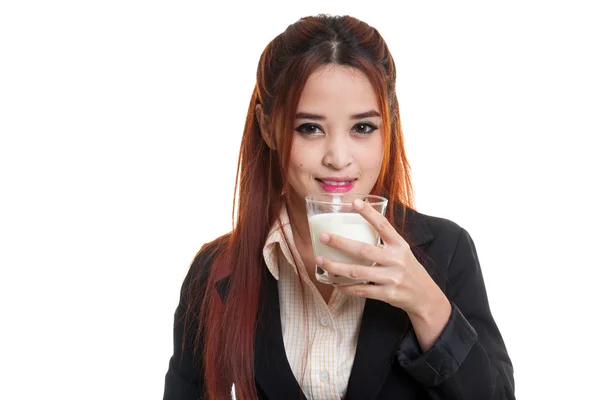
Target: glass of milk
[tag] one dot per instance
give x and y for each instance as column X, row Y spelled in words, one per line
column 333, row 213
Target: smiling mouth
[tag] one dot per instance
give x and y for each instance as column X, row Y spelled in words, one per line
column 336, row 183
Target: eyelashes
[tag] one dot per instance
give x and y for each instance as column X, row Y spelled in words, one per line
column 370, row 128
column 360, row 129
column 309, row 129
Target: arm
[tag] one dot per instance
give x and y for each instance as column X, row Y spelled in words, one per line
column 182, row 381
column 185, row 376
column 468, row 361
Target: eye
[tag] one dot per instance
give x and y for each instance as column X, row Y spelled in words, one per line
column 309, row 129
column 364, row 128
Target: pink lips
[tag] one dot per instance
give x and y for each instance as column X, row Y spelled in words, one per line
column 340, row 187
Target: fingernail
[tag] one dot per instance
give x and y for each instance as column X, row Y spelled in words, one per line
column 319, row 260
column 359, row 204
column 324, row 237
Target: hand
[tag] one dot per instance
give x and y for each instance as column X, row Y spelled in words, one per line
column 398, row 278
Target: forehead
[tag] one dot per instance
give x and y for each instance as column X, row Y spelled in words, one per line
column 338, row 88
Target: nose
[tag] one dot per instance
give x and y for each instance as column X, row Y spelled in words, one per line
column 338, row 152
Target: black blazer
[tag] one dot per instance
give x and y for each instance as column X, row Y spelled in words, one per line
column 468, row 362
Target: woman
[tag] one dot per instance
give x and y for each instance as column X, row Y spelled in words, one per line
column 323, row 118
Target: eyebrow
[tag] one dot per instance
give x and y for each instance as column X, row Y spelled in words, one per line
column 368, row 114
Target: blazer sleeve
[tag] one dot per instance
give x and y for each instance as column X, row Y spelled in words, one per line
column 469, row 360
column 184, row 379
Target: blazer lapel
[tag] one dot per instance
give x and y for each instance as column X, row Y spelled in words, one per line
column 383, row 327
column 380, row 333
column 272, row 370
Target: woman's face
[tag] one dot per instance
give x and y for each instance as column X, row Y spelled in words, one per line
column 338, row 143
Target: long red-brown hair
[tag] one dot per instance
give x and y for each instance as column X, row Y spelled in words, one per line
column 226, row 330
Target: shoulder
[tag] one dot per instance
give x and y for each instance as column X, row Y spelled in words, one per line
column 449, row 245
column 201, row 265
column 422, row 228
column 442, row 246
column 207, row 253
column 440, row 228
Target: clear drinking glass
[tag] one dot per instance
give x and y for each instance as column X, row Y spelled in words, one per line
column 333, row 213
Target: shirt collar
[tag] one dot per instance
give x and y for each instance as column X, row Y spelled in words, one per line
column 277, row 241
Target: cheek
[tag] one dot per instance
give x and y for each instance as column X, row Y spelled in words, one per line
column 300, row 158
column 297, row 168
column 372, row 157
column 296, row 160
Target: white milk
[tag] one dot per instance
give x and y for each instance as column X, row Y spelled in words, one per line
column 350, row 225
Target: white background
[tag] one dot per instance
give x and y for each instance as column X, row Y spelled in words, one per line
column 120, row 123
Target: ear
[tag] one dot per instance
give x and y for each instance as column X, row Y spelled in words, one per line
column 265, row 127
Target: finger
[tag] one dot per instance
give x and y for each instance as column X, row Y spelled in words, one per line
column 358, row 272
column 365, row 290
column 379, row 222
column 356, row 248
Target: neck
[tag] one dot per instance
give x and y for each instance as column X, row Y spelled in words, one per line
column 299, row 223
